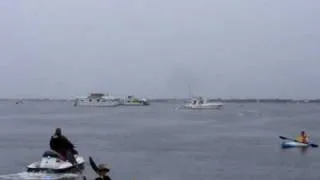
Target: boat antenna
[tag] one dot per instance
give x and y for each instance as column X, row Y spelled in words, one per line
column 190, row 94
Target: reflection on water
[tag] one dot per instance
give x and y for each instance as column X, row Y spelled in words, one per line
column 41, row 176
column 302, row 150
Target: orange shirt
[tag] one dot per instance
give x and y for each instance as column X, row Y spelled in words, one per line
column 303, row 139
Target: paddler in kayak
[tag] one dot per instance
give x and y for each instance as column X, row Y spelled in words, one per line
column 303, row 138
column 102, row 172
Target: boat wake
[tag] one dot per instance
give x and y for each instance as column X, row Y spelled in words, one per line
column 38, row 176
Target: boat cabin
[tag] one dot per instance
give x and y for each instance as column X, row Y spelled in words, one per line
column 96, row 95
column 198, row 100
column 100, row 97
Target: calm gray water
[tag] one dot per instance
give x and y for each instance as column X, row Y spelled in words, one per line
column 159, row 142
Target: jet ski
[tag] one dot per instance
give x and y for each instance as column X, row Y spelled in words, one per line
column 53, row 162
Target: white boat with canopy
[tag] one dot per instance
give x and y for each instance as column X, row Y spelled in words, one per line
column 98, row 100
column 200, row 103
column 134, row 101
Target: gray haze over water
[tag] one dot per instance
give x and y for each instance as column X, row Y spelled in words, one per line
column 224, row 49
column 160, row 142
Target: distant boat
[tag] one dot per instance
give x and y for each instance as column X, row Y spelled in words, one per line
column 133, row 101
column 19, row 102
column 200, row 103
column 98, row 100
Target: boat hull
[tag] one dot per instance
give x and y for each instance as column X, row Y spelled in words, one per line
column 131, row 101
column 134, row 104
column 97, row 104
column 293, row 144
column 140, row 103
column 85, row 103
column 72, row 169
column 203, row 106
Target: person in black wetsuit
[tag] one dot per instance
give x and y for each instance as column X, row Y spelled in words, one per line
column 102, row 172
column 62, row 145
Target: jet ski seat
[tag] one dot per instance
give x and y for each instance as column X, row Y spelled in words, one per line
column 52, row 153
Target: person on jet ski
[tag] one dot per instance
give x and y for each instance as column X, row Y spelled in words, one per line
column 303, row 138
column 61, row 144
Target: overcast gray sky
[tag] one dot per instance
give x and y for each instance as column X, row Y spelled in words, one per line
column 155, row 48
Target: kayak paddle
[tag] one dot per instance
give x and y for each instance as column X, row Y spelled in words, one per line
column 93, row 165
column 285, row 138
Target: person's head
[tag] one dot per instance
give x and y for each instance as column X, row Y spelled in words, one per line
column 58, row 132
column 303, row 133
column 103, row 169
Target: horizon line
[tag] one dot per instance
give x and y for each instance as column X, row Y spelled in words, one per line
column 173, row 98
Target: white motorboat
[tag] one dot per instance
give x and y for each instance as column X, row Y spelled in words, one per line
column 53, row 162
column 200, row 103
column 20, row 102
column 133, row 101
column 98, row 100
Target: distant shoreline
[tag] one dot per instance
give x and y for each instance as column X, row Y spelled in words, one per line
column 234, row 100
